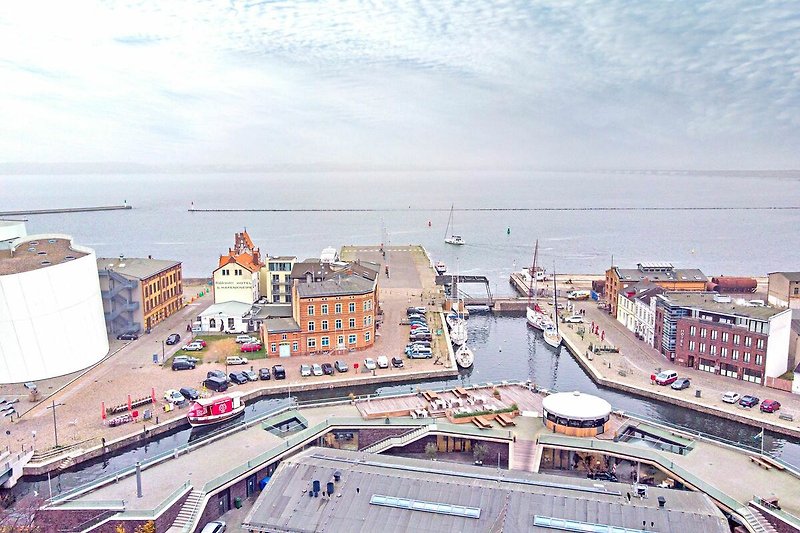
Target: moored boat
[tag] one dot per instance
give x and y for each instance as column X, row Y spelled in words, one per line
column 533, row 313
column 452, row 239
column 206, row 411
column 440, row 267
column 458, row 333
column 464, row 357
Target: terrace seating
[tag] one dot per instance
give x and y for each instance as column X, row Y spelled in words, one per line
column 481, row 422
column 504, row 420
column 759, row 462
column 461, row 393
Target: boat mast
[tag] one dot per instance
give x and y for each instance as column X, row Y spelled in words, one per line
column 533, row 271
column 555, row 298
column 449, row 220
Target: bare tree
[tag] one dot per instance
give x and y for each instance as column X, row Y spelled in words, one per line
column 431, row 450
column 19, row 515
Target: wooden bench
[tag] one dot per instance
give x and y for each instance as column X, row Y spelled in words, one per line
column 505, row 420
column 481, row 422
column 772, row 462
column 760, row 463
column 461, row 393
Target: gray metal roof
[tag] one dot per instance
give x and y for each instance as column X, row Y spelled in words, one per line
column 135, row 267
column 705, row 301
column 281, row 325
column 271, row 311
column 790, row 276
column 507, row 500
column 342, row 285
column 678, row 274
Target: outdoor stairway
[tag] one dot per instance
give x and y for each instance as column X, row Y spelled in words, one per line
column 756, row 520
column 399, row 440
column 188, row 512
column 524, row 456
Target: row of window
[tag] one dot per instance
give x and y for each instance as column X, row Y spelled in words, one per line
column 155, row 301
column 723, row 352
column 731, row 371
column 312, row 325
column 737, row 338
column 156, row 284
column 236, row 271
column 337, row 309
column 324, row 342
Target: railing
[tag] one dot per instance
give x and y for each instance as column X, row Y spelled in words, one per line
column 86, row 524
column 151, row 514
column 780, row 513
column 114, row 505
column 397, row 440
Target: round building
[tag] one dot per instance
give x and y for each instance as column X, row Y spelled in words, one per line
column 51, row 311
column 573, row 413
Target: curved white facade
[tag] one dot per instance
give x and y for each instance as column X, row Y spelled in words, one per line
column 51, row 318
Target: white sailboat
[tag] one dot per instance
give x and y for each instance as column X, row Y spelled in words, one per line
column 452, row 239
column 464, row 357
column 533, row 313
column 458, row 332
column 551, row 334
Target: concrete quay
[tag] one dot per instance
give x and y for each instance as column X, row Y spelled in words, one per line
column 66, row 210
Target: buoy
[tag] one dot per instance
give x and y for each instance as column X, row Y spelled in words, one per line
column 429, row 223
column 508, row 231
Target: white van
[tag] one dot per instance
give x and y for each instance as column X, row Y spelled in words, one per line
column 420, row 352
column 241, row 339
column 235, row 360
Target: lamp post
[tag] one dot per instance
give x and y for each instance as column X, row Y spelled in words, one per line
column 163, row 351
column 55, row 426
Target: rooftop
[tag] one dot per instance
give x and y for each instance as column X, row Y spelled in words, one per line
column 677, row 274
column 246, row 260
column 227, row 308
column 37, row 251
column 342, row 285
column 280, row 325
column 791, row 276
column 705, row 301
column 384, row 493
column 135, row 267
column 271, row 311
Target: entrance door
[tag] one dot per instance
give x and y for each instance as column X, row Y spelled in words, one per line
column 691, row 361
column 224, row 501
column 283, row 350
column 251, row 485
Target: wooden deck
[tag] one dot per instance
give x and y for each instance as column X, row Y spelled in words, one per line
column 524, row 456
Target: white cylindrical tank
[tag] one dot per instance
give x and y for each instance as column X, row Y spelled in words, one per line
column 51, row 311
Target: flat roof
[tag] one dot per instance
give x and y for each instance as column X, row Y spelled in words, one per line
column 705, row 301
column 344, row 285
column 576, row 406
column 35, row 252
column 136, row 267
column 228, row 309
column 678, row 274
column 281, row 325
column 271, row 311
column 392, row 494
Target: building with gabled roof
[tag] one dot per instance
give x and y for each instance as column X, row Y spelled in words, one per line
column 664, row 275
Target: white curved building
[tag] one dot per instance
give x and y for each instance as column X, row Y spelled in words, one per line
column 51, row 311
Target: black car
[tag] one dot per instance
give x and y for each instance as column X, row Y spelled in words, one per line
column 397, row 362
column 189, row 393
column 216, row 384
column 217, row 374
column 681, row 383
column 419, row 337
column 238, row 377
column 174, row 338
column 263, row 373
column 327, row 369
column 278, row 372
column 182, row 364
column 603, row 476
column 127, row 337
column 749, row 401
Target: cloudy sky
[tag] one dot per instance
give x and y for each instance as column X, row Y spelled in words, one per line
column 422, row 84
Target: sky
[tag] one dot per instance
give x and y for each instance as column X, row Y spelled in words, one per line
column 354, row 84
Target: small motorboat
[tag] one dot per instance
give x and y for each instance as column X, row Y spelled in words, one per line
column 551, row 336
column 206, row 411
column 458, row 333
column 440, row 268
column 458, row 240
column 464, row 357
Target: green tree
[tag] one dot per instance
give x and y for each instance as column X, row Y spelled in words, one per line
column 479, row 452
column 431, row 450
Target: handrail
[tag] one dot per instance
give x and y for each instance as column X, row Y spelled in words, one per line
column 130, row 514
column 780, row 513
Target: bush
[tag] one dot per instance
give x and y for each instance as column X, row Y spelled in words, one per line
column 511, row 409
column 431, row 450
column 480, row 451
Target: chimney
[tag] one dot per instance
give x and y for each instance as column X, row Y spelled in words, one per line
column 662, row 501
column 337, row 476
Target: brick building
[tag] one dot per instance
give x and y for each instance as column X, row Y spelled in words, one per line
column 713, row 333
column 784, row 289
column 664, row 275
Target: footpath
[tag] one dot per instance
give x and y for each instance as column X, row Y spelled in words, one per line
column 631, row 368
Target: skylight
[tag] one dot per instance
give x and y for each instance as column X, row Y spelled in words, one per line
column 580, row 527
column 428, row 507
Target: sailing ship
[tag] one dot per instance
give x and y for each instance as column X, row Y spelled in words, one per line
column 458, row 332
column 533, row 313
column 206, row 411
column 464, row 357
column 452, row 239
column 551, row 334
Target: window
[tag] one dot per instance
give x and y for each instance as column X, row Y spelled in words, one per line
column 369, row 305
column 706, row 365
column 231, row 323
column 735, row 355
column 325, row 342
column 324, row 325
column 724, row 336
column 703, row 332
column 712, row 349
column 311, row 326
column 365, row 320
column 337, row 308
column 723, row 352
column 338, row 323
column 352, row 307
column 753, row 376
column 714, row 334
column 340, row 340
column 276, row 278
column 364, row 305
column 324, row 309
column 351, row 339
column 759, row 359
column 212, row 323
column 691, row 346
column 310, row 310
column 283, row 336
column 748, row 341
column 294, row 346
column 366, row 336
column 746, row 357
column 312, row 342
column 273, row 347
column 692, row 331
column 702, row 347
column 760, row 344
column 736, row 340
column 796, row 291
column 352, row 323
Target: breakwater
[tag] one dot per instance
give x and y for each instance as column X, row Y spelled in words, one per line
column 65, row 210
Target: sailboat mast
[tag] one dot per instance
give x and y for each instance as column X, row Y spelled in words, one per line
column 555, row 297
column 533, row 272
column 449, row 221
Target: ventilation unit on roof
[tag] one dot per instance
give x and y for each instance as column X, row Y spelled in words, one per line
column 722, row 298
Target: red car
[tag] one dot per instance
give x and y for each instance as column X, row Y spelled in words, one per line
column 770, row 406
column 251, row 347
column 201, row 342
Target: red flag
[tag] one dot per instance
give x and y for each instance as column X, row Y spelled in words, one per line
column 130, row 406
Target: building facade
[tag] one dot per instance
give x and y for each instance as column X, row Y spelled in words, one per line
column 138, row 293
column 236, row 279
column 51, row 311
column 636, row 310
column 665, row 275
column 714, row 334
column 276, row 283
column 784, row 289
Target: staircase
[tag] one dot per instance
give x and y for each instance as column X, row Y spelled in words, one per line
column 756, row 521
column 188, row 512
column 399, row 440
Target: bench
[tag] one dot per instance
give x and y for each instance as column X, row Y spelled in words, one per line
column 760, row 463
column 505, row 420
column 481, row 422
column 461, row 393
column 772, row 462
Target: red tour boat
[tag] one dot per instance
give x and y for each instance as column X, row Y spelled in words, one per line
column 205, row 411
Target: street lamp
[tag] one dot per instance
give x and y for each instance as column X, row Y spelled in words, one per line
column 55, row 427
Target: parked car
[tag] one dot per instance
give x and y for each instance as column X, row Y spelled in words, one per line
column 278, row 372
column 412, row 311
column 189, row 358
column 235, row 360
column 173, row 396
column 327, row 369
column 217, row 526
column 730, row 397
column 426, row 344
column 251, row 375
column 216, row 383
column 201, row 342
column 127, row 337
column 420, row 336
column 748, row 401
column 241, row 339
column 192, row 347
column 173, row 338
column 397, row 362
column 305, row 370
column 216, row 374
column 574, row 319
column 383, row 361
column 189, row 393
column 251, row 347
column 238, row 377
column 182, row 364
column 263, row 373
column 681, row 383
column 369, row 363
column 316, row 369
column 422, row 353
column 770, row 406
column 667, row 377
column 420, row 309
column 340, row 366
